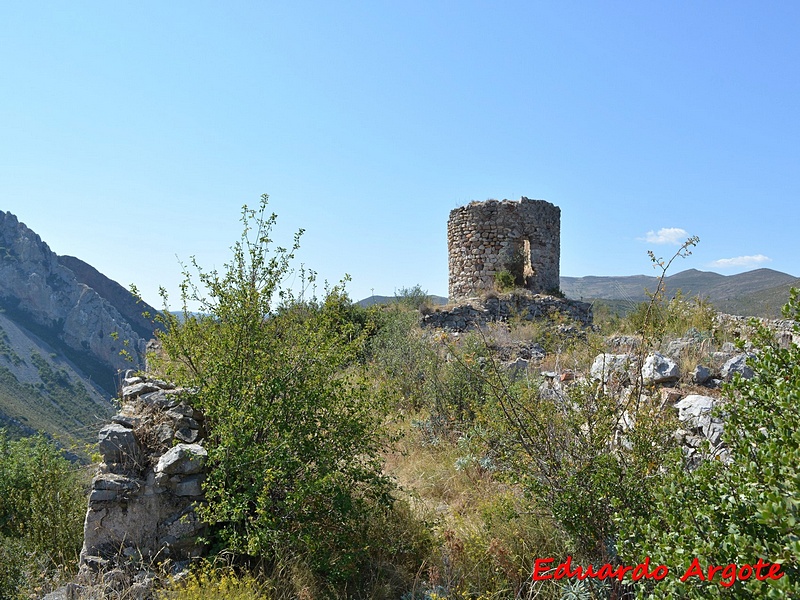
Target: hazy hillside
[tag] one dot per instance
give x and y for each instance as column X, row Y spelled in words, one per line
column 758, row 293
column 41, row 390
column 390, row 299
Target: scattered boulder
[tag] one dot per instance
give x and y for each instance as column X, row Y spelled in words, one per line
column 610, row 367
column 737, row 364
column 701, row 374
column 660, row 369
column 692, row 407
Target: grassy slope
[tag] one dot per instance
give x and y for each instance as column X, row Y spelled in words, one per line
column 42, row 391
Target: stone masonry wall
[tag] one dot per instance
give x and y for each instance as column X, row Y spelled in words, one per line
column 143, row 498
column 484, row 238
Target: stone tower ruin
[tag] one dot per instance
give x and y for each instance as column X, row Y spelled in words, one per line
column 484, row 238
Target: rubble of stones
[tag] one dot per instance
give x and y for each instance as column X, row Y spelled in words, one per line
column 700, row 431
column 474, row 313
column 693, row 395
column 701, row 427
column 143, row 498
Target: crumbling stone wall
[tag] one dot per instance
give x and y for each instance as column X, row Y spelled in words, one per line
column 144, row 495
column 522, row 237
column 476, row 313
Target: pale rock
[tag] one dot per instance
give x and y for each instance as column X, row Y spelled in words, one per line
column 609, row 366
column 692, row 407
column 737, row 364
column 660, row 369
column 183, row 459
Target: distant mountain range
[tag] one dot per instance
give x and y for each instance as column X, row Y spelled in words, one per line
column 761, row 292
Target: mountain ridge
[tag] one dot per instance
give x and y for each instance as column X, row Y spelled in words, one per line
column 760, row 292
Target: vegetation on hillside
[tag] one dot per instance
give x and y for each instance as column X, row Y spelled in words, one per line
column 42, row 505
column 355, row 455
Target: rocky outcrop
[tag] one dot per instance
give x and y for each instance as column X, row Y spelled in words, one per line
column 131, row 308
column 144, row 495
column 46, row 296
column 473, row 313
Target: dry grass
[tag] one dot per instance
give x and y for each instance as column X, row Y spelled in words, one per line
column 486, row 534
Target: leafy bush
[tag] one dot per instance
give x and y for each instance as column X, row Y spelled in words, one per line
column 738, row 510
column 505, row 280
column 413, row 297
column 42, row 506
column 294, row 433
column 399, row 356
column 210, row 582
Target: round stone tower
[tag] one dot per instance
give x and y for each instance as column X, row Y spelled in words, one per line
column 523, row 238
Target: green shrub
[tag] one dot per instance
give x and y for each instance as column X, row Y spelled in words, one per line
column 209, row 582
column 42, row 506
column 742, row 509
column 399, row 356
column 505, row 280
column 294, row 434
column 413, row 297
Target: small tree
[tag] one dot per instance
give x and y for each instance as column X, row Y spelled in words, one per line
column 293, row 437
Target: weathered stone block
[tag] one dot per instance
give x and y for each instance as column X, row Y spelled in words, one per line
column 183, row 459
column 117, row 444
column 660, row 369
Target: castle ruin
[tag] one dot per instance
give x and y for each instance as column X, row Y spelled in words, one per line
column 522, row 237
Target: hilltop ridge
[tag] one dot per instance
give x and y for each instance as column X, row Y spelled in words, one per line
column 760, row 292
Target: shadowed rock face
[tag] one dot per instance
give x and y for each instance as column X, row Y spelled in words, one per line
column 114, row 293
column 40, row 291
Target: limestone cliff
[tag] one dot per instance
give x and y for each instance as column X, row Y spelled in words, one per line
column 120, row 298
column 44, row 296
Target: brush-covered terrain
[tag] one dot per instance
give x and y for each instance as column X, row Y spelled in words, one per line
column 355, row 454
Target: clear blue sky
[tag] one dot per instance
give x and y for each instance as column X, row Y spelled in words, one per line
column 132, row 132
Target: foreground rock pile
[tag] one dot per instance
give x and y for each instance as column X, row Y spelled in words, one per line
column 473, row 313
column 700, row 433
